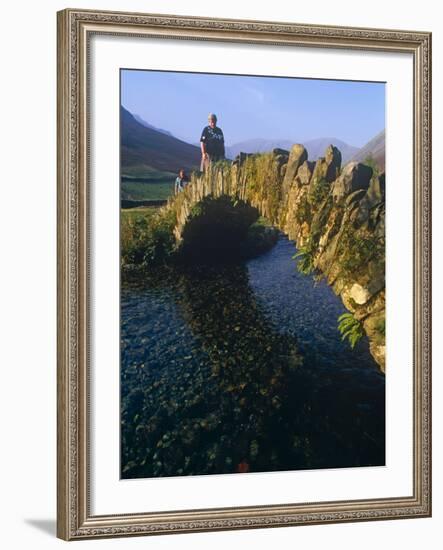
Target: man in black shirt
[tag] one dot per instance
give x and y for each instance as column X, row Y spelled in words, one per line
column 212, row 143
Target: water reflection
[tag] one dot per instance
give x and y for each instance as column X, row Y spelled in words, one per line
column 220, row 373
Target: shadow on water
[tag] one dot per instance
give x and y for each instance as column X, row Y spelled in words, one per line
column 220, row 373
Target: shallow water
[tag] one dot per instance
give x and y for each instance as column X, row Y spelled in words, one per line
column 237, row 368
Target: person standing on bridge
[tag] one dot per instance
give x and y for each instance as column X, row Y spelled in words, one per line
column 212, row 143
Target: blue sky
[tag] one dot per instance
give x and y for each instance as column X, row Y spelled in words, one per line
column 251, row 107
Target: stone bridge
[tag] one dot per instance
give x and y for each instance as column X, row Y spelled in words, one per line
column 335, row 216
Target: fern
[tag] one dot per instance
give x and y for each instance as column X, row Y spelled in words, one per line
column 305, row 264
column 350, row 328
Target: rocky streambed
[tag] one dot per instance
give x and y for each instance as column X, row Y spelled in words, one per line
column 239, row 367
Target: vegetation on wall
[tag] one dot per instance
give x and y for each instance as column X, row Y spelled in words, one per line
column 262, row 174
column 357, row 248
column 319, row 192
column 305, row 256
column 350, row 328
column 303, row 212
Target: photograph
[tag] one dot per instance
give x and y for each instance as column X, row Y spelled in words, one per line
column 252, row 274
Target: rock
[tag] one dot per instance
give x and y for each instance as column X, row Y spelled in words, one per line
column 374, row 326
column 376, row 191
column 328, row 167
column 354, row 176
column 376, row 276
column 280, row 158
column 328, row 246
column 371, row 207
column 241, row 157
column 333, row 163
column 318, row 186
column 304, row 173
column 377, row 303
column 348, row 302
column 277, row 152
column 320, row 170
column 355, row 197
column 338, row 284
column 303, row 234
column 297, row 157
column 359, row 294
column 379, row 354
column 330, row 240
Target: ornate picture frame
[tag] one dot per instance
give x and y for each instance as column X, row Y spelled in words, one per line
column 75, row 519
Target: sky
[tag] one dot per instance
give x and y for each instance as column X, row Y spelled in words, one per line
column 249, row 107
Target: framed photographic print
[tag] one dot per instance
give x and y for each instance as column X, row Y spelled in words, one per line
column 243, row 274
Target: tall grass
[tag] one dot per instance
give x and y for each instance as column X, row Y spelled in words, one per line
column 146, row 237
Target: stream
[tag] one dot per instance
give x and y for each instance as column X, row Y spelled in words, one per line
column 238, row 368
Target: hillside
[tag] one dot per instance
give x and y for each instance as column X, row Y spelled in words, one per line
column 143, row 122
column 144, row 149
column 375, row 148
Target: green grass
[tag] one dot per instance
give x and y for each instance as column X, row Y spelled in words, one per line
column 146, row 172
column 145, row 183
column 139, row 191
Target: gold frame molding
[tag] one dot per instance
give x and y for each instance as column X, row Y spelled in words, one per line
column 75, row 28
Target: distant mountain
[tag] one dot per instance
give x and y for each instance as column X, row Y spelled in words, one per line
column 375, row 148
column 143, row 122
column 148, row 147
column 315, row 147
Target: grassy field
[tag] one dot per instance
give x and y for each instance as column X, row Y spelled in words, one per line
column 145, row 172
column 146, row 191
column 145, row 183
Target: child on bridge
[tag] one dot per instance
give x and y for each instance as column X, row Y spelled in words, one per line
column 181, row 181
